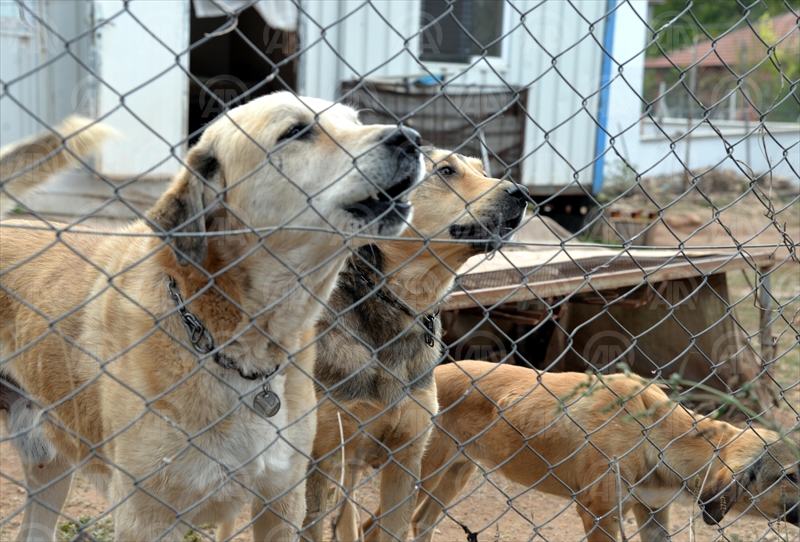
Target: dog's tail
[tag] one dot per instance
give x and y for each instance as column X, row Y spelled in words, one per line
column 28, row 164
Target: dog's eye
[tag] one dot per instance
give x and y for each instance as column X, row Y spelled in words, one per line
column 294, row 131
column 447, row 171
column 794, row 477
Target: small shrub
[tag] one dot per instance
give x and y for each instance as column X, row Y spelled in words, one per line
column 619, row 178
column 101, row 531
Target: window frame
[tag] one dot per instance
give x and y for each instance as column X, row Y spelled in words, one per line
column 499, row 63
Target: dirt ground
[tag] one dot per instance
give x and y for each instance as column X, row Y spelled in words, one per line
column 498, row 510
column 494, row 508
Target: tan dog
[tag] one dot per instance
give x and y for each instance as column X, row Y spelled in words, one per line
column 560, row 433
column 174, row 416
column 382, row 338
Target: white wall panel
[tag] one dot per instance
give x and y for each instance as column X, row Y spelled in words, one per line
column 40, row 62
column 19, row 50
column 363, row 40
column 561, row 63
column 143, row 89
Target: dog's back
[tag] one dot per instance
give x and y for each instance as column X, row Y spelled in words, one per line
column 560, row 433
column 25, row 167
column 542, row 420
column 577, row 436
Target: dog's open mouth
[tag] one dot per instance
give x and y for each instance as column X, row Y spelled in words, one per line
column 504, row 231
column 376, row 205
column 496, row 229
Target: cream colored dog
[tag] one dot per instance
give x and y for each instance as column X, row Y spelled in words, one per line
column 379, row 344
column 153, row 350
column 574, row 436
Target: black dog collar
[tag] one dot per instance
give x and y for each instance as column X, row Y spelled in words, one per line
column 201, row 338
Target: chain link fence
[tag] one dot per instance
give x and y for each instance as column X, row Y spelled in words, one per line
column 550, row 273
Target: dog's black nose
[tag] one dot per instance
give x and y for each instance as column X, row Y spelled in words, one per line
column 520, row 193
column 404, row 138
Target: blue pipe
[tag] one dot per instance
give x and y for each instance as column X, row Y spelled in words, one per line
column 602, row 114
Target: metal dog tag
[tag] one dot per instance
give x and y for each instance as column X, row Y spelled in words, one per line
column 267, row 403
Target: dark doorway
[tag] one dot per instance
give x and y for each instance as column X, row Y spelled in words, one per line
column 233, row 63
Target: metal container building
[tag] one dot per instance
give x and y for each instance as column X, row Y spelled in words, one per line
column 543, row 72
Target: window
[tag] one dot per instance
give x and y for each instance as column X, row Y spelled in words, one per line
column 446, row 26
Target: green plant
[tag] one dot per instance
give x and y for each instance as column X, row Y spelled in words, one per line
column 676, row 382
column 775, row 75
column 716, row 17
column 620, row 177
column 101, row 530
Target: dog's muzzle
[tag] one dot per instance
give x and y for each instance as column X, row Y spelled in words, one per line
column 405, row 171
column 501, row 223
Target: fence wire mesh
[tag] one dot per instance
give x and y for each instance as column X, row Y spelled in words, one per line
column 392, row 270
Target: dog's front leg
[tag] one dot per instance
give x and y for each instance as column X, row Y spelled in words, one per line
column 348, row 519
column 400, row 477
column 653, row 526
column 599, row 515
column 438, row 491
column 48, row 487
column 142, row 516
column 316, row 503
column 282, row 518
column 398, row 495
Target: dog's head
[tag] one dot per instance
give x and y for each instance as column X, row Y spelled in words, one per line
column 303, row 164
column 458, row 202
column 762, row 478
column 458, row 212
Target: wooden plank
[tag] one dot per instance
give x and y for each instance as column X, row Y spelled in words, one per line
column 694, row 267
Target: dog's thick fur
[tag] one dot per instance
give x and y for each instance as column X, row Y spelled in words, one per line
column 374, row 366
column 560, row 433
column 248, row 230
column 24, row 167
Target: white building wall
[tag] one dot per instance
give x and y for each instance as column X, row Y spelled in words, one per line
column 42, row 75
column 143, row 88
column 140, row 89
column 626, row 107
column 560, row 135
column 654, row 158
column 20, row 55
column 370, row 41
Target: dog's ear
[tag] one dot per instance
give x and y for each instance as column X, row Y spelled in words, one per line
column 724, row 491
column 186, row 203
column 718, row 499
